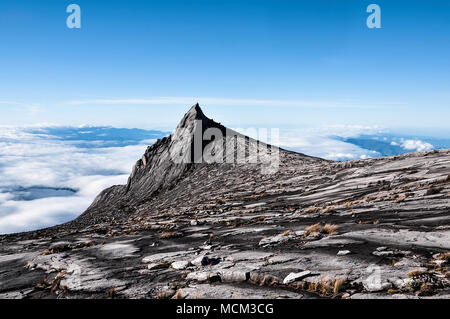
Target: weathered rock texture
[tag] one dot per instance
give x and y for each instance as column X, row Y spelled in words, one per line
column 194, row 230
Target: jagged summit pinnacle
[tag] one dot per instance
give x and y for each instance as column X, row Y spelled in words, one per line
column 166, row 162
column 195, row 113
column 162, row 165
column 197, row 110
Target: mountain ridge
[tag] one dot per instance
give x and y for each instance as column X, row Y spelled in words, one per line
column 163, row 164
column 374, row 228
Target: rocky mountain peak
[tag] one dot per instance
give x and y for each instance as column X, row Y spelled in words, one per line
column 162, row 165
column 192, row 119
column 167, row 159
column 197, row 141
column 194, row 113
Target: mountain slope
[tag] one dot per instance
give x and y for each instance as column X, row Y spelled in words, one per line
column 167, row 161
column 376, row 228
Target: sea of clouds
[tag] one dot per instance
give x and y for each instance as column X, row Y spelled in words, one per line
column 343, row 142
column 48, row 178
column 50, row 175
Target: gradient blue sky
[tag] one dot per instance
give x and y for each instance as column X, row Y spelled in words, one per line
column 262, row 63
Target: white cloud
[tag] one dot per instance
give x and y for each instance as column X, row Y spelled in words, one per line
column 318, row 142
column 347, row 131
column 218, row 101
column 321, row 142
column 39, row 213
column 416, row 145
column 28, row 160
column 28, row 108
column 329, row 148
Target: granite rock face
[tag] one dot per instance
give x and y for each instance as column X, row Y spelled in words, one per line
column 155, row 171
column 185, row 227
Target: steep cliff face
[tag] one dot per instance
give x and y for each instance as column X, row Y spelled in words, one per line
column 162, row 166
column 168, row 159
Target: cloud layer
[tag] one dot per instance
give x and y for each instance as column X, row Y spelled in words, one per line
column 50, row 175
column 322, row 142
column 34, row 160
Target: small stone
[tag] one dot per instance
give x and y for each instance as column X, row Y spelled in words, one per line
column 402, row 283
column 194, row 223
column 381, row 248
column 383, row 253
column 204, row 261
column 59, row 245
column 300, row 233
column 239, row 275
column 316, row 236
column 374, row 286
column 154, row 266
column 179, row 265
column 198, row 276
column 163, row 257
column 198, row 261
column 343, row 252
column 292, row 277
column 275, row 240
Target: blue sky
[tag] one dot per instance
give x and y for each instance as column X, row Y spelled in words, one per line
column 248, row 63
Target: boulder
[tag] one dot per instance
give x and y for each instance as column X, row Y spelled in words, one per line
column 179, row 265
column 292, row 277
column 343, row 252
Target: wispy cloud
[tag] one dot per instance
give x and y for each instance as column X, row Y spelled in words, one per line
column 30, row 108
column 233, row 102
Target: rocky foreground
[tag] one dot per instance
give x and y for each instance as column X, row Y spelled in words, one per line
column 376, row 228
